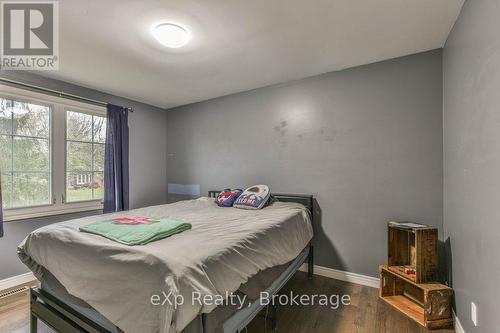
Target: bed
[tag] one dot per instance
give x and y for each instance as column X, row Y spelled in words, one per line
column 92, row 284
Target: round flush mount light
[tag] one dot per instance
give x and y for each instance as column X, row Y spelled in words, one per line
column 171, row 35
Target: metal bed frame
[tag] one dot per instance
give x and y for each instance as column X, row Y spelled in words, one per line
column 59, row 316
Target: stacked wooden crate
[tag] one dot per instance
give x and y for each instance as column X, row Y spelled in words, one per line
column 408, row 282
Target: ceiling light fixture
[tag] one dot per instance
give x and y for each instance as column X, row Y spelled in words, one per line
column 171, row 35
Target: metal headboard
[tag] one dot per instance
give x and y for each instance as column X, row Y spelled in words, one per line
column 305, row 199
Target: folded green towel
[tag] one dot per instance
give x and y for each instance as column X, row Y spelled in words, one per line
column 136, row 230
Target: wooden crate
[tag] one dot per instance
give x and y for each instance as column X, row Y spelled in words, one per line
column 429, row 304
column 414, row 248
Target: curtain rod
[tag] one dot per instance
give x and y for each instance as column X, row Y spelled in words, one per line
column 57, row 93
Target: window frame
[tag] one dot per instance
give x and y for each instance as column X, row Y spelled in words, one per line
column 57, row 158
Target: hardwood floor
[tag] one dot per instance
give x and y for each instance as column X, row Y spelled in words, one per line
column 366, row 314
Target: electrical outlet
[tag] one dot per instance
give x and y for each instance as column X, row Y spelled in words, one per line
column 473, row 313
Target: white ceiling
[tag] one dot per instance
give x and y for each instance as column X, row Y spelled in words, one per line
column 237, row 45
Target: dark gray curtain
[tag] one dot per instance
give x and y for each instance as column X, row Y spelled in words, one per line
column 1, row 211
column 116, row 173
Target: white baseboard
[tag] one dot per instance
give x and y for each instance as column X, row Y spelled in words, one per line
column 18, row 280
column 318, row 270
column 336, row 274
column 457, row 324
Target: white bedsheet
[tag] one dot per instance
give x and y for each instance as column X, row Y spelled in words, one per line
column 225, row 247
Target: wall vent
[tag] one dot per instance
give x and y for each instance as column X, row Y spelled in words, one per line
column 13, row 292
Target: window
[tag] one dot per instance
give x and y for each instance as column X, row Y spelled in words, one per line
column 25, row 153
column 85, row 137
column 51, row 154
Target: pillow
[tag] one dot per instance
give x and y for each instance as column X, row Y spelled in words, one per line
column 227, row 196
column 254, row 197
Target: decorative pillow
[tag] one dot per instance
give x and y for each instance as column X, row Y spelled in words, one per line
column 227, row 197
column 254, row 197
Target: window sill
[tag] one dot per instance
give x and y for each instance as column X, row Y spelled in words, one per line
column 12, row 215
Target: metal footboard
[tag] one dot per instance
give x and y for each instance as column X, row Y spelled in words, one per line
column 58, row 315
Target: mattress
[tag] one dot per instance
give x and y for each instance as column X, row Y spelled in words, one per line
column 225, row 247
column 213, row 321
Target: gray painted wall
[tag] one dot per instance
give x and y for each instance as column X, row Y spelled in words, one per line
column 147, row 163
column 472, row 161
column 15, row 232
column 367, row 142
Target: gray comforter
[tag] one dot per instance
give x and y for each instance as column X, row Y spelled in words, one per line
column 225, row 247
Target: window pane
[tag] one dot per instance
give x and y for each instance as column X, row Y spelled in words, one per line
column 86, row 135
column 78, row 187
column 5, row 153
column 30, row 189
column 26, row 155
column 78, row 126
column 31, row 154
column 5, row 116
column 79, row 156
column 98, row 157
column 31, row 119
column 6, row 189
column 99, row 129
column 98, row 185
